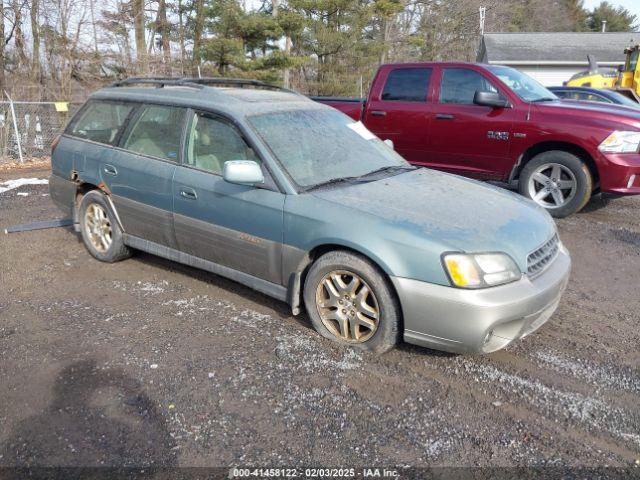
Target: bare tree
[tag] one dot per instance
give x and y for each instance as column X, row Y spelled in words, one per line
column 36, row 65
column 139, row 27
column 197, row 36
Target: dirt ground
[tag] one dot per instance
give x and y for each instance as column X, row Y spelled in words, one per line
column 147, row 362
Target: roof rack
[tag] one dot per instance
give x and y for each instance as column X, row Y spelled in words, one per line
column 161, row 82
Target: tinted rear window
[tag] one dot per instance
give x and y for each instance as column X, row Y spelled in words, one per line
column 100, row 121
column 407, row 85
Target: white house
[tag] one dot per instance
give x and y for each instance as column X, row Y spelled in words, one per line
column 553, row 57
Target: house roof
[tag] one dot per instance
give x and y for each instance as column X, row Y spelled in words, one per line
column 560, row 48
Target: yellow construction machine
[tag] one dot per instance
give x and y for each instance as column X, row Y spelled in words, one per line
column 625, row 80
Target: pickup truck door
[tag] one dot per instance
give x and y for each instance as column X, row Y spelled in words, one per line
column 398, row 110
column 466, row 138
column 235, row 226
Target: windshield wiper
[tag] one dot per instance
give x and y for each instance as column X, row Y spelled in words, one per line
column 388, row 169
column 360, row 178
column 332, row 181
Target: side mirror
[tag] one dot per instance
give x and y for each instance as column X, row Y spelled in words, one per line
column 490, row 99
column 388, row 142
column 243, row 172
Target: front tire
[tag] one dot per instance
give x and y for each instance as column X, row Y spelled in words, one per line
column 350, row 301
column 558, row 181
column 100, row 231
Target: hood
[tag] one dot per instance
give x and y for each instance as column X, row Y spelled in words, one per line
column 607, row 112
column 457, row 213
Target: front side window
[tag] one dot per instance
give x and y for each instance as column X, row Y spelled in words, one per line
column 157, row 132
column 590, row 97
column 459, row 85
column 407, row 85
column 212, row 142
column 319, row 146
column 101, row 121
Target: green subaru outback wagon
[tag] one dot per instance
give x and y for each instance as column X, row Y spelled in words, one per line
column 296, row 200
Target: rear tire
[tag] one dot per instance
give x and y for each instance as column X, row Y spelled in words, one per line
column 558, row 181
column 351, row 302
column 100, row 230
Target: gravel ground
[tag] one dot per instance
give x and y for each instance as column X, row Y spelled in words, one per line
column 147, row 362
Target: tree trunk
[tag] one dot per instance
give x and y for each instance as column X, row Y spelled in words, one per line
column 93, row 24
column 36, row 64
column 197, row 36
column 2, row 81
column 19, row 34
column 183, row 53
column 164, row 30
column 139, row 27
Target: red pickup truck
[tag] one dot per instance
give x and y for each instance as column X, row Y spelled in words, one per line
column 495, row 123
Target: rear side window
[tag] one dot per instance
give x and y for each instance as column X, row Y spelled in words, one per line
column 407, row 85
column 101, row 121
column 156, row 132
column 459, row 85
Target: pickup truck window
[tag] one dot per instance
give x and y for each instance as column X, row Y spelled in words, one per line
column 459, row 85
column 407, row 85
column 101, row 121
column 157, row 132
column 298, row 140
column 522, row 85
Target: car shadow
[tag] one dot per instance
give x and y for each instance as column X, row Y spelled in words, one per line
column 281, row 308
column 597, row 202
column 98, row 417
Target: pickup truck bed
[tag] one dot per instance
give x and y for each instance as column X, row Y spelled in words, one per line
column 349, row 106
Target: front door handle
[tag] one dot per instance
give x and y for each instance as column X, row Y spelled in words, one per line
column 189, row 193
column 378, row 113
column 110, row 170
column 445, row 116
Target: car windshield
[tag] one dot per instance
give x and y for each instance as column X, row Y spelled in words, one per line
column 622, row 99
column 523, row 85
column 320, row 146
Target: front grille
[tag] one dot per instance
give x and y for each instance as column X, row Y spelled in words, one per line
column 540, row 259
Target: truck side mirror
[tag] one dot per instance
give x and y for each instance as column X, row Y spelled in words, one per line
column 490, row 99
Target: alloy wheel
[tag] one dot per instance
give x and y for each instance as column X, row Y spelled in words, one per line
column 347, row 306
column 98, row 227
column 552, row 185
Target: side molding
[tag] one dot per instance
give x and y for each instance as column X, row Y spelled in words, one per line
column 271, row 289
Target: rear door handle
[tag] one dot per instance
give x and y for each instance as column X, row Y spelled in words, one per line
column 189, row 193
column 110, row 170
column 445, row 116
column 378, row 113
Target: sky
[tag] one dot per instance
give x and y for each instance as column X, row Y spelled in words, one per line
column 632, row 5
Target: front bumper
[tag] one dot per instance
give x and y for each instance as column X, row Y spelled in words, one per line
column 480, row 321
column 620, row 173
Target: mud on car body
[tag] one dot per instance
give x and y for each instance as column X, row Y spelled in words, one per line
column 298, row 201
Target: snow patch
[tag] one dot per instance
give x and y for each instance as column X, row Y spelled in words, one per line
column 19, row 182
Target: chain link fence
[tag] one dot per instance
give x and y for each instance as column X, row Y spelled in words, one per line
column 28, row 128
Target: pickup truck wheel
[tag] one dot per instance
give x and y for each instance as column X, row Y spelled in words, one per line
column 350, row 301
column 100, row 231
column 558, row 181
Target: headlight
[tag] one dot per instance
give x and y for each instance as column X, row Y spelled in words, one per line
column 480, row 270
column 621, row 142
